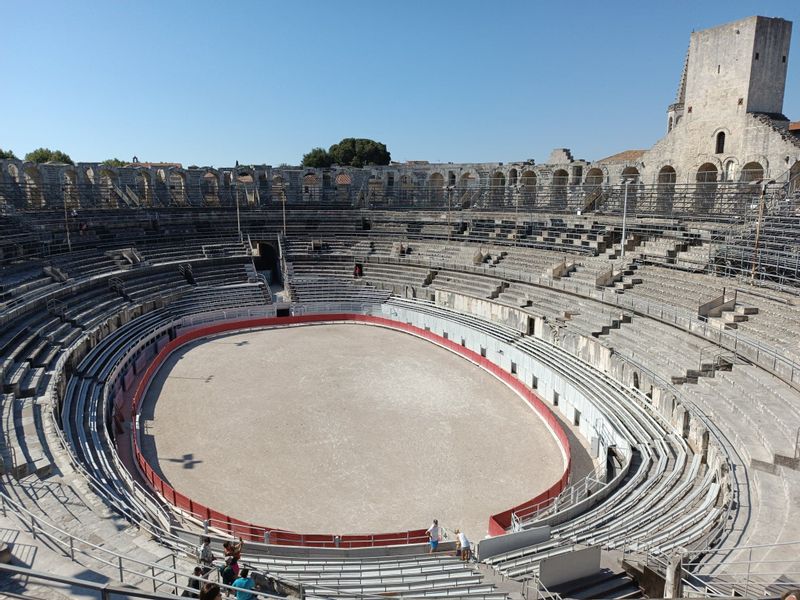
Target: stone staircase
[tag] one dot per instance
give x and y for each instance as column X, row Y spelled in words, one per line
column 730, row 319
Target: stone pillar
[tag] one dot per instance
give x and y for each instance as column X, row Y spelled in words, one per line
column 673, row 585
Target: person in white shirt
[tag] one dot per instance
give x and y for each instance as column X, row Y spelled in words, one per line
column 434, row 535
column 463, row 544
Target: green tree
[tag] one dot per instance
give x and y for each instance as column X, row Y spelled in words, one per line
column 7, row 155
column 114, row 162
column 358, row 152
column 318, row 158
column 43, row 155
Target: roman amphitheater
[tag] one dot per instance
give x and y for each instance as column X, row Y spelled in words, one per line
column 591, row 368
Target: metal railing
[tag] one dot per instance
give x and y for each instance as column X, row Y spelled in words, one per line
column 749, row 574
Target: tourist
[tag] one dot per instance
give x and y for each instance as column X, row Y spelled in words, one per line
column 434, row 535
column 206, row 557
column 227, row 572
column 464, row 545
column 194, row 584
column 232, row 549
column 244, row 583
column 210, row 591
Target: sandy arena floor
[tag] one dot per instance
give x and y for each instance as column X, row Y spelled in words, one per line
column 343, row 429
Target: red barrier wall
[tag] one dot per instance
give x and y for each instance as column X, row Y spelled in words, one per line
column 498, row 524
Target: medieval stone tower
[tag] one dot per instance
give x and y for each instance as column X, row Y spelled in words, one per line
column 727, row 123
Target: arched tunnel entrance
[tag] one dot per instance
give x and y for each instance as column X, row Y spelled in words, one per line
column 267, row 261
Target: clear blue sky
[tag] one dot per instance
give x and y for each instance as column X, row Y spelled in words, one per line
column 263, row 82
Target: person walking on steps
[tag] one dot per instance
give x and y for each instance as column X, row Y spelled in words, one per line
column 434, row 535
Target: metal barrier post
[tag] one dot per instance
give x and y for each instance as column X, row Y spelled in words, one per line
column 121, row 574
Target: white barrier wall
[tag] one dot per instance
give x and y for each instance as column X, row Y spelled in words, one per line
column 512, row 541
column 594, row 425
column 561, row 568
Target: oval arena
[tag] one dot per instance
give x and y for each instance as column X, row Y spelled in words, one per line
column 381, row 430
column 591, row 368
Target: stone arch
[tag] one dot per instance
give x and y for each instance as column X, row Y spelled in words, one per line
column 13, row 173
column 278, row 188
column 106, row 183
column 343, row 183
column 310, row 186
column 528, row 181
column 435, row 187
column 375, row 188
column 512, row 176
column 631, row 173
column 497, row 188
column 707, row 178
column 666, row 179
column 636, row 380
column 176, row 181
column 142, row 188
column 209, row 188
column 752, row 171
column 33, row 186
column 558, row 187
column 594, row 177
column 405, row 188
column 69, row 188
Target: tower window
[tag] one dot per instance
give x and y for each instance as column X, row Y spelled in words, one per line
column 784, row 59
column 756, row 55
column 718, row 69
column 721, row 142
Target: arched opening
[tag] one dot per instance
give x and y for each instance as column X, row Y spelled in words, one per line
column 278, row 189
column 558, row 188
column 636, row 380
column 467, row 194
column 593, row 188
column 512, row 177
column 527, row 182
column 752, row 171
column 706, row 192
column 375, row 189
column 310, row 187
column 343, row 184
column 142, row 188
column 497, row 188
column 669, row 126
column 435, row 188
column 666, row 188
column 209, row 188
column 451, row 178
column 406, row 191
column 720, row 149
column 631, row 175
column 13, row 173
column 69, row 188
column 107, row 185
column 177, row 187
column 594, row 178
column 33, row 187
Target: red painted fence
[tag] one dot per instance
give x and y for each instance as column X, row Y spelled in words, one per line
column 498, row 524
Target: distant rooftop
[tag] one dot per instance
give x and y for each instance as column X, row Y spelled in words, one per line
column 625, row 156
